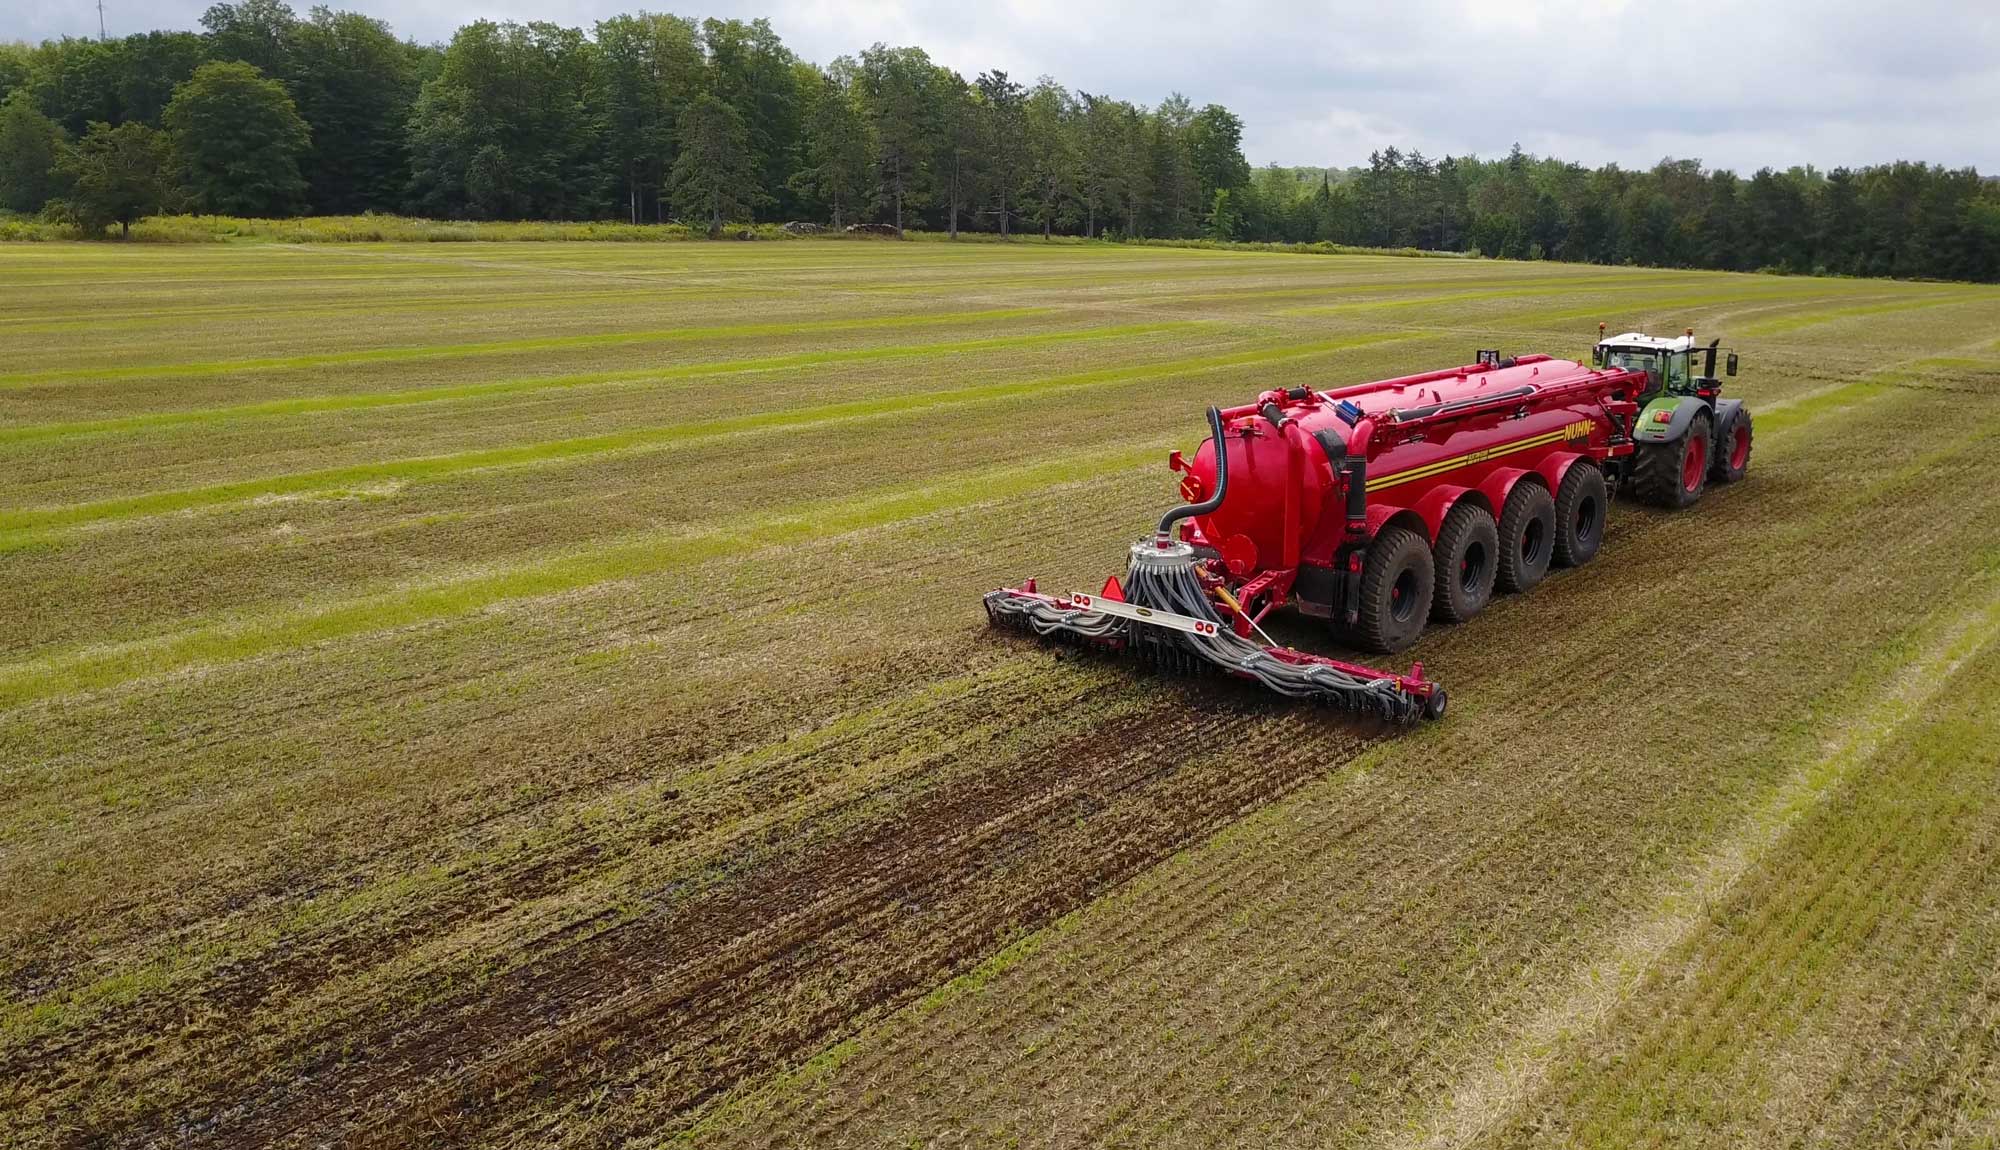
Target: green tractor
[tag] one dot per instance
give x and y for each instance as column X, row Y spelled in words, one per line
column 1685, row 435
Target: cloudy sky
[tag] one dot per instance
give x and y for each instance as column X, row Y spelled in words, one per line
column 1734, row 84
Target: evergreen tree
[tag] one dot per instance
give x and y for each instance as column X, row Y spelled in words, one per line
column 652, row 66
column 894, row 84
column 714, row 179
column 1053, row 154
column 1003, row 119
column 837, row 150
column 751, row 70
column 959, row 162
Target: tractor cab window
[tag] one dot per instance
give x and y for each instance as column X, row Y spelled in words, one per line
column 1677, row 371
column 1636, row 359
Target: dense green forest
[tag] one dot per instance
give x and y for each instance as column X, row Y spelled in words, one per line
column 653, row 117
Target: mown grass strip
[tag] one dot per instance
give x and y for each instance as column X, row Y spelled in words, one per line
column 647, row 554
column 1501, row 1084
column 505, row 347
column 1503, row 290
column 1778, row 325
column 26, row 527
column 306, row 405
column 496, row 302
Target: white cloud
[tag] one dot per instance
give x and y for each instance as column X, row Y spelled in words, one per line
column 1733, row 82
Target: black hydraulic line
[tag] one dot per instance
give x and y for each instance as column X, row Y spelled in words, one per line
column 1190, row 510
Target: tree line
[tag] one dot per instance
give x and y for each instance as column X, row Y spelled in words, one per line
column 1903, row 219
column 652, row 117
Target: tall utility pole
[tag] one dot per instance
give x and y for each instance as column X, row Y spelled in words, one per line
column 100, row 19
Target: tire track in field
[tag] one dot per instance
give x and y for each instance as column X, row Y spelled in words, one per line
column 19, row 380
column 754, row 628
column 850, row 924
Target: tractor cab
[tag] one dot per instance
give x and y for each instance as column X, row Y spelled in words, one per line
column 1673, row 367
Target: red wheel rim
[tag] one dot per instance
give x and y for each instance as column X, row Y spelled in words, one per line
column 1739, row 448
column 1696, row 460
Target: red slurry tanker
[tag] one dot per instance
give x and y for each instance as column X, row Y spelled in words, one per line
column 1383, row 506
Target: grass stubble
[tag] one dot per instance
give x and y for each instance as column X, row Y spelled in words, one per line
column 552, row 751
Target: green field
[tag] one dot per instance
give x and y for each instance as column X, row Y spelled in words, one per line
column 537, row 694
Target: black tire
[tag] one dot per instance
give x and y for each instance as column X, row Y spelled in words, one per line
column 1673, row 475
column 1467, row 556
column 1527, row 536
column 1434, row 707
column 1580, row 511
column 1395, row 591
column 1730, row 460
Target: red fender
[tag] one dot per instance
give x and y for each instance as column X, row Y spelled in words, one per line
column 1379, row 515
column 1433, row 507
column 1499, row 486
column 1554, row 466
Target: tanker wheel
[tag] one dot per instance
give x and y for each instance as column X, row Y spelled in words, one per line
column 1468, row 554
column 1395, row 590
column 1673, row 475
column 1580, row 505
column 1732, row 450
column 1527, row 536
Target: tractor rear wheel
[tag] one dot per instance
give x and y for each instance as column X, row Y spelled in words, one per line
column 1673, row 475
column 1527, row 536
column 1732, row 450
column 1468, row 551
column 1395, row 590
column 1579, row 515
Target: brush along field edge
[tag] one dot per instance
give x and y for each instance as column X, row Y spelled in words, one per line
column 27, row 527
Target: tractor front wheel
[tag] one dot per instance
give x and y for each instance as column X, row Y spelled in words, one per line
column 1395, row 590
column 1732, row 450
column 1673, row 475
column 1468, row 551
column 1580, row 507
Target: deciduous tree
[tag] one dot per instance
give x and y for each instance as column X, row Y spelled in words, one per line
column 31, row 146
column 238, row 139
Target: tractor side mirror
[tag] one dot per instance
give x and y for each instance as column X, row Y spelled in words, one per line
column 1597, row 355
column 1729, row 365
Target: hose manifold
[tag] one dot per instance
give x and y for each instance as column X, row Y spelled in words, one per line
column 1156, row 555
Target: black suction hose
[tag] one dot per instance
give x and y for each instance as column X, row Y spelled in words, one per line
column 1190, row 510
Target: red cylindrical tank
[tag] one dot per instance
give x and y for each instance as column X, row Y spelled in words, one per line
column 1420, row 441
